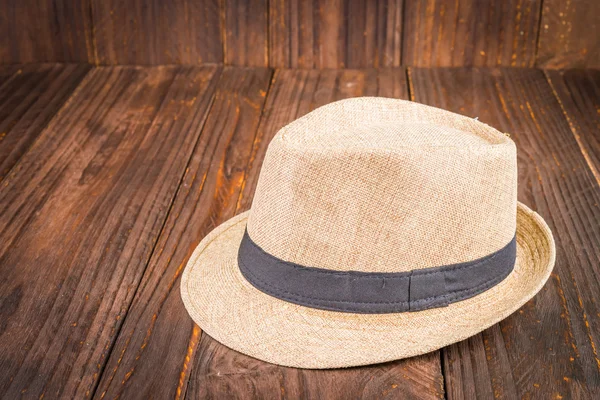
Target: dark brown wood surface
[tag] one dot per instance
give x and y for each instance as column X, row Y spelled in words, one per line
column 118, row 172
column 7, row 71
column 578, row 92
column 440, row 33
column 548, row 349
column 569, row 34
column 79, row 217
column 157, row 32
column 29, row 98
column 158, row 330
column 246, row 32
column 335, row 33
column 303, row 34
column 45, row 30
column 221, row 373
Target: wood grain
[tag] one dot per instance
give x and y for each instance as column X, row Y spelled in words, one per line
column 222, row 373
column 548, row 349
column 157, row 32
column 578, row 92
column 335, row 33
column 219, row 372
column 29, row 98
column 245, row 32
column 158, row 330
column 303, row 34
column 45, row 31
column 117, row 173
column 79, row 217
column 441, row 33
column 569, row 34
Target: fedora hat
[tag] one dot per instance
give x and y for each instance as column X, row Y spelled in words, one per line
column 380, row 229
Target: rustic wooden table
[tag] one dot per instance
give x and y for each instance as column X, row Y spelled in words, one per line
column 111, row 176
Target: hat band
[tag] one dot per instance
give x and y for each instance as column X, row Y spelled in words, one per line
column 373, row 292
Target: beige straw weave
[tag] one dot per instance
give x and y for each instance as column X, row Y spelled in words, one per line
column 373, row 185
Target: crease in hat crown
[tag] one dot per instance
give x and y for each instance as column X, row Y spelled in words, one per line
column 358, row 185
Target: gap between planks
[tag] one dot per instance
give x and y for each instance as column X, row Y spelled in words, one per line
column 196, row 331
column 196, row 334
column 586, row 155
column 522, row 102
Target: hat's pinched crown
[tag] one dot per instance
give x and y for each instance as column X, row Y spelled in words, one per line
column 384, row 185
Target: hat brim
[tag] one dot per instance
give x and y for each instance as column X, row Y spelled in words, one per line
column 235, row 313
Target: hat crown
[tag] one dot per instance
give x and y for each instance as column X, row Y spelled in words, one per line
column 385, row 185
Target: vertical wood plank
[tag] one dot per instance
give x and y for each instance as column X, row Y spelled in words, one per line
column 569, row 34
column 578, row 92
column 79, row 217
column 335, row 33
column 45, row 31
column 442, row 33
column 246, row 38
column 152, row 355
column 220, row 372
column 548, row 349
column 157, row 32
column 28, row 100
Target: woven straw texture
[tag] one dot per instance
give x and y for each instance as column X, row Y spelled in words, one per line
column 370, row 184
column 375, row 184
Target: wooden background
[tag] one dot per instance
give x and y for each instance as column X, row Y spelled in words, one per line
column 111, row 176
column 303, row 34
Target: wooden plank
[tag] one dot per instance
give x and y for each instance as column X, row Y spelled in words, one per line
column 157, row 32
column 219, row 372
column 79, row 218
column 335, row 33
column 7, row 71
column 246, row 37
column 548, row 348
column 569, row 34
column 28, row 100
column 442, row 33
column 578, row 92
column 47, row 30
column 224, row 373
column 158, row 330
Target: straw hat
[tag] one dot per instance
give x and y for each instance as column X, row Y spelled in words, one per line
column 380, row 229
